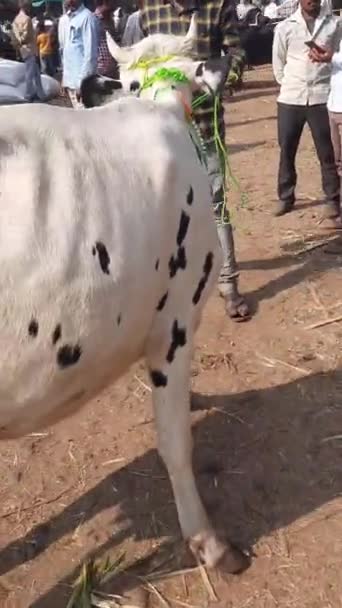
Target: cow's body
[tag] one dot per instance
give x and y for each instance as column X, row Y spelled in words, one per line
column 91, row 204
column 108, row 251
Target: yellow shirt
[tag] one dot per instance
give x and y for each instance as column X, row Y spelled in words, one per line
column 44, row 43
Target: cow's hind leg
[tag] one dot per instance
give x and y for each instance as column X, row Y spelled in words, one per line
column 168, row 357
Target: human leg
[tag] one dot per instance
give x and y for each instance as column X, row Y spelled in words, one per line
column 291, row 121
column 29, row 63
column 318, row 121
column 228, row 281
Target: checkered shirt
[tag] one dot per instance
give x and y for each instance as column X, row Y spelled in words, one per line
column 106, row 65
column 217, row 30
column 287, row 8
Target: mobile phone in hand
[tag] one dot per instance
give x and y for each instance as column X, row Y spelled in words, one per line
column 313, row 45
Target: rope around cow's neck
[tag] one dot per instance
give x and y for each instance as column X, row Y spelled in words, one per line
column 177, row 76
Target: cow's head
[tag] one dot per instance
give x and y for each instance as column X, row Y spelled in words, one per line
column 160, row 68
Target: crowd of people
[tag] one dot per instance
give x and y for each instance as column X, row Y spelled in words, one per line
column 76, row 42
column 307, row 64
column 275, row 10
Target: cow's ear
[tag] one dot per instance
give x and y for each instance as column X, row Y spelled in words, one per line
column 98, row 90
column 211, row 75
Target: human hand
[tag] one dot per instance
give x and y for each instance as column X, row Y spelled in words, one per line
column 320, row 56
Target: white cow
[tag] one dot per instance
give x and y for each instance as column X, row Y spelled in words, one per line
column 109, row 251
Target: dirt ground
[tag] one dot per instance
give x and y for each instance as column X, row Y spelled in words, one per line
column 268, row 424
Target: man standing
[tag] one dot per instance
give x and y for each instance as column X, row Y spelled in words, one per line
column 286, row 8
column 106, row 65
column 25, row 40
column 304, row 90
column 217, row 31
column 133, row 32
column 78, row 35
column 335, row 109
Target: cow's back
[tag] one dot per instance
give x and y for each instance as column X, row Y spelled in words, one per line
column 90, row 210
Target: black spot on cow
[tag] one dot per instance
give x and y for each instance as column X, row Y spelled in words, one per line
column 183, row 228
column 33, row 328
column 104, row 258
column 68, row 355
column 162, row 301
column 178, row 339
column 57, row 333
column 134, row 86
column 157, row 264
column 207, row 267
column 190, row 196
column 158, row 378
column 93, row 251
column 118, row 319
column 178, row 262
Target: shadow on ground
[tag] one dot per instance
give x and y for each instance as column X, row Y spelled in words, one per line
column 262, row 460
column 235, row 148
column 252, row 95
column 248, row 121
column 304, row 265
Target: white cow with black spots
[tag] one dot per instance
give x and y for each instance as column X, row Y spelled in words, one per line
column 109, row 251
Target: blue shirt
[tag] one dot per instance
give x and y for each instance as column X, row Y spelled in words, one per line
column 78, row 39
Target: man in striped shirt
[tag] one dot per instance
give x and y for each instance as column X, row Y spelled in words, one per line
column 217, row 31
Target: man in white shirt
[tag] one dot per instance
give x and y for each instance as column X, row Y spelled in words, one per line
column 304, row 90
column 286, row 8
column 133, row 32
column 334, row 108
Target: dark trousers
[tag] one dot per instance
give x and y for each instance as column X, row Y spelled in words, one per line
column 291, row 121
column 47, row 64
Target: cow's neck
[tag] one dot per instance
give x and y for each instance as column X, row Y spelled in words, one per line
column 172, row 100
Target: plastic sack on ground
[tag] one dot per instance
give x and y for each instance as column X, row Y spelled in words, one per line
column 12, row 83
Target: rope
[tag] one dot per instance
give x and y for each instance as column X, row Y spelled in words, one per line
column 227, row 173
column 164, row 74
column 177, row 76
column 221, row 150
column 147, row 63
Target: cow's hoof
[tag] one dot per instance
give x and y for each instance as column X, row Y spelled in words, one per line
column 211, row 552
column 233, row 561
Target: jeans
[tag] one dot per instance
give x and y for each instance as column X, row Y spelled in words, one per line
column 229, row 274
column 33, row 81
column 291, row 121
column 47, row 64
